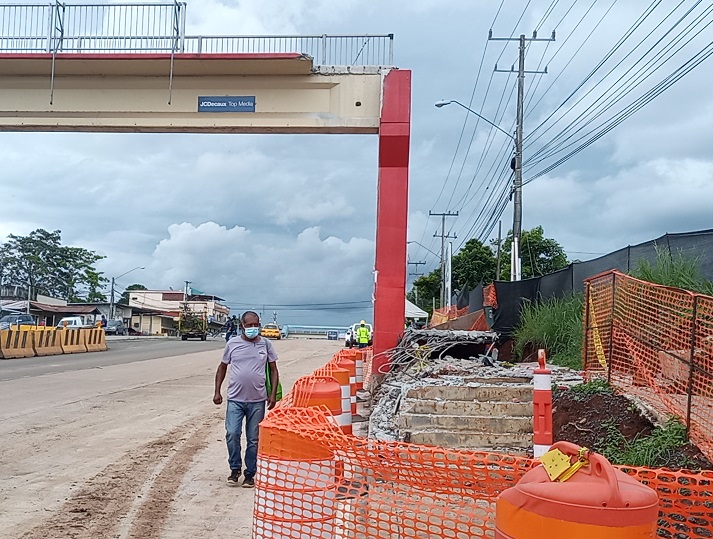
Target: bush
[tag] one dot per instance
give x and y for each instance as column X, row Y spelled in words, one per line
column 652, row 451
column 674, row 269
column 556, row 326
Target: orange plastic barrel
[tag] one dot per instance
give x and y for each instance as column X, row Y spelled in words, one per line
column 349, row 364
column 294, row 494
column 320, row 391
column 341, row 376
column 360, row 356
column 597, row 502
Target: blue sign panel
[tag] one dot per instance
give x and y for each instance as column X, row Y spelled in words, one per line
column 241, row 103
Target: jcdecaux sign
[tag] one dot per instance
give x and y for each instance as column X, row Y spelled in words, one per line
column 240, row 103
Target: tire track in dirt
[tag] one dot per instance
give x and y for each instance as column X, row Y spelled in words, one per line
column 132, row 497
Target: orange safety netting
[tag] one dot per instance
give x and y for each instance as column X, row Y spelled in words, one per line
column 655, row 343
column 315, row 482
column 444, row 314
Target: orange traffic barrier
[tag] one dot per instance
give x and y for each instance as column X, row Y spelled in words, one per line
column 389, row 489
column 95, row 340
column 47, row 342
column 16, row 343
column 343, row 361
column 321, row 391
column 542, row 407
column 341, row 376
column 72, row 341
column 596, row 501
column 295, row 493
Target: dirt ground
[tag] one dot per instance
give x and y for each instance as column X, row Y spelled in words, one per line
column 583, row 421
column 126, row 451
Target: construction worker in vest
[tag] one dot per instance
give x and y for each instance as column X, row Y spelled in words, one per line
column 363, row 335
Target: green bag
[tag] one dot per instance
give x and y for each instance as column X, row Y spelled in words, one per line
column 268, row 385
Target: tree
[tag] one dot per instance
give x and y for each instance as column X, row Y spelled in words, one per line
column 539, row 255
column 42, row 262
column 425, row 288
column 124, row 299
column 474, row 263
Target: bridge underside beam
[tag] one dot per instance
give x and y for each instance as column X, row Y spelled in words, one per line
column 136, row 93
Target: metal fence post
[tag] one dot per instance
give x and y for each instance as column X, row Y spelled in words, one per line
column 183, row 27
column 611, row 328
column 692, row 361
column 324, row 49
column 391, row 49
column 50, row 27
column 587, row 314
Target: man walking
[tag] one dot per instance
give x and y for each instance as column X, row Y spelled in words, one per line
column 247, row 354
column 363, row 335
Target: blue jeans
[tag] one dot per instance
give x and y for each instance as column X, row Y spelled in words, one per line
column 253, row 413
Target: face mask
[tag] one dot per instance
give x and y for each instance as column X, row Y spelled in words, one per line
column 251, row 333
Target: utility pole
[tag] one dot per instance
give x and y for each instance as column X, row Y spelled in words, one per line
column 443, row 237
column 515, row 274
column 416, row 274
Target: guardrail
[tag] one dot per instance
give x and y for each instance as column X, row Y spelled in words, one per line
column 151, row 28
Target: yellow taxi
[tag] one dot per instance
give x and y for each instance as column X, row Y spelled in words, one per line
column 271, row 331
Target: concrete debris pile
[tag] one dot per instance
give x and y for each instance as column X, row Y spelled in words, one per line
column 433, row 397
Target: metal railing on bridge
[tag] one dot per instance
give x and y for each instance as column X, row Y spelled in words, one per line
column 161, row 27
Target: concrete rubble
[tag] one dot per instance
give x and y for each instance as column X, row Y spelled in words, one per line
column 476, row 402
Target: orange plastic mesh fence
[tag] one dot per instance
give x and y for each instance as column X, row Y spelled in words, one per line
column 444, row 314
column 316, row 482
column 656, row 343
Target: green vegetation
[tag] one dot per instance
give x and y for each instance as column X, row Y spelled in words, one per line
column 652, row 450
column 477, row 262
column 583, row 392
column 48, row 267
column 674, row 269
column 556, row 326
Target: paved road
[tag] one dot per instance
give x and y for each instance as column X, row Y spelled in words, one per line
column 119, row 353
column 133, row 449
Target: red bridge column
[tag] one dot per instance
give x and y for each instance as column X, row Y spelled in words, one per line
column 392, row 214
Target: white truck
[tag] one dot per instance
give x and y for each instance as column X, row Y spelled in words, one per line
column 73, row 322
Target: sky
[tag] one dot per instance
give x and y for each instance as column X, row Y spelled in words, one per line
column 267, row 220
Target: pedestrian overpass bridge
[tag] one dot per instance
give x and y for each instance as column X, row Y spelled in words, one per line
column 133, row 68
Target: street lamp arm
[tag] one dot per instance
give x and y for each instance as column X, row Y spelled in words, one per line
column 440, row 104
column 127, row 272
column 427, row 249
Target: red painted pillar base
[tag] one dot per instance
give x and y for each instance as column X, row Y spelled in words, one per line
column 392, row 215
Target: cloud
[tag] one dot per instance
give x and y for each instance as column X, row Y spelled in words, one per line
column 291, row 219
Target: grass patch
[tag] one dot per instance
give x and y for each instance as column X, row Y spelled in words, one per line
column 674, row 269
column 556, row 326
column 583, row 392
column 652, row 451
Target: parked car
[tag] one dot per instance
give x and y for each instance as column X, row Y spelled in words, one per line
column 350, row 337
column 285, row 331
column 14, row 321
column 271, row 331
column 115, row 327
column 73, row 322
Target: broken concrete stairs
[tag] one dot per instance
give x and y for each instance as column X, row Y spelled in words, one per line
column 483, row 415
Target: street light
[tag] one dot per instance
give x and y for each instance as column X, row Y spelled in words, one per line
column 113, row 280
column 427, row 249
column 516, row 191
column 442, row 103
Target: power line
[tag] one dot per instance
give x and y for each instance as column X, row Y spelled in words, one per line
column 649, row 96
column 617, row 92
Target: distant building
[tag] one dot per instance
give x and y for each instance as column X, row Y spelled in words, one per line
column 155, row 312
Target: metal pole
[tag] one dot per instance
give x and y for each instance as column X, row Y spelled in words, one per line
column 517, row 187
column 689, row 404
column 500, row 230
column 111, row 301
column 449, row 275
column 443, row 258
